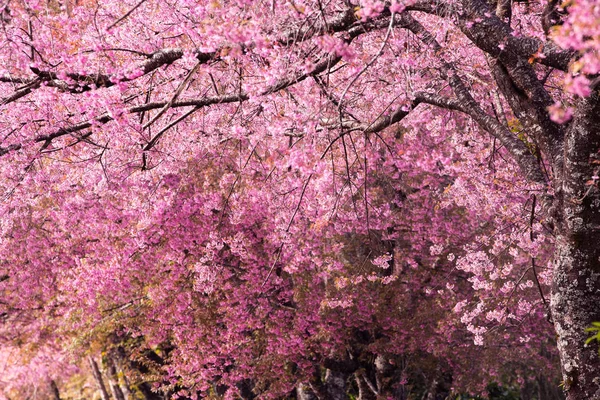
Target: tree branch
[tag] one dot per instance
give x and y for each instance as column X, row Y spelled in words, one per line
column 465, row 103
column 492, row 31
column 487, row 34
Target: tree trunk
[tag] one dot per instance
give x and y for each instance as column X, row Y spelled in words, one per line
column 335, row 385
column 126, row 388
column 575, row 305
column 113, row 379
column 576, row 283
column 546, row 390
column 364, row 391
column 304, row 392
column 98, row 378
column 55, row 391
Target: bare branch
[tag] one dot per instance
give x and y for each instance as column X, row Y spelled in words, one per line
column 11, row 79
column 16, row 95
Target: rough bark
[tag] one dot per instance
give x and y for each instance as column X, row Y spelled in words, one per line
column 576, row 285
column 575, row 305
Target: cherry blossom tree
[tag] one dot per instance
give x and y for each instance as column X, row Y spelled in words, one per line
column 266, row 198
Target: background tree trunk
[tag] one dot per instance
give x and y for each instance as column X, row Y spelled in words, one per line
column 98, row 377
column 304, row 392
column 55, row 391
column 364, row 391
column 335, row 385
column 113, row 379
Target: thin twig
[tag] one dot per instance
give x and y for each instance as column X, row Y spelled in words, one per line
column 371, row 62
column 178, row 91
column 280, row 250
column 152, row 142
column 127, row 14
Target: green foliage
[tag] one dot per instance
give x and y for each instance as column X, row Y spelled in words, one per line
column 595, row 328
